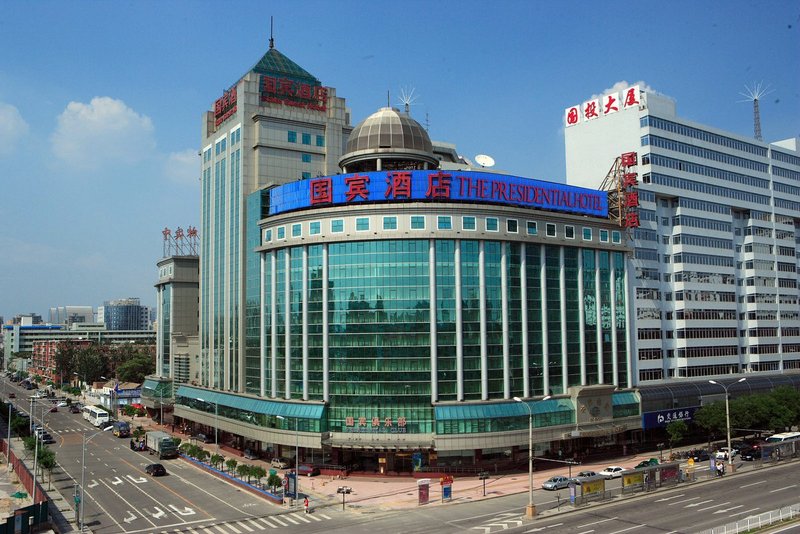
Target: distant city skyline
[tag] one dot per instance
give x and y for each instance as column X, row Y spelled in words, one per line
column 99, row 120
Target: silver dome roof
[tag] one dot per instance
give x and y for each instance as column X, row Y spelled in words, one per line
column 388, row 128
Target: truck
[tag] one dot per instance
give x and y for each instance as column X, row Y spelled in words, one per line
column 161, row 443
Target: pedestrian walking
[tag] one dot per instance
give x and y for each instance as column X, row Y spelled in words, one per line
column 305, row 504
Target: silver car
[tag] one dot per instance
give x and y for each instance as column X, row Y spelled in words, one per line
column 555, row 483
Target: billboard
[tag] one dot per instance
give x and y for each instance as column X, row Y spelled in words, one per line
column 441, row 186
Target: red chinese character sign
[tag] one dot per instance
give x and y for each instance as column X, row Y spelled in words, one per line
column 289, row 92
column 225, row 106
column 608, row 104
column 630, row 190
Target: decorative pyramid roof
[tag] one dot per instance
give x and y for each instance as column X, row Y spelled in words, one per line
column 273, row 63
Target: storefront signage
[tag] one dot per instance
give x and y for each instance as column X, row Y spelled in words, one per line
column 662, row 418
column 225, row 106
column 630, row 190
column 289, row 92
column 469, row 186
column 375, row 425
column 606, row 105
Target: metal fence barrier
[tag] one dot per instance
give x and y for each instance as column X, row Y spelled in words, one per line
column 765, row 519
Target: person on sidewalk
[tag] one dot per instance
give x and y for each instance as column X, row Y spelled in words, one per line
column 305, row 504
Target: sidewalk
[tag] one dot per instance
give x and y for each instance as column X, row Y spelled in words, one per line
column 400, row 493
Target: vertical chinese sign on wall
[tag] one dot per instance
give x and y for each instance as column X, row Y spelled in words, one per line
column 630, row 190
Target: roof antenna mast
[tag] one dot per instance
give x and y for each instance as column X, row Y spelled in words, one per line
column 408, row 99
column 753, row 94
column 271, row 40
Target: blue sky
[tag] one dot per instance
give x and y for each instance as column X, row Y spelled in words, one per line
column 101, row 102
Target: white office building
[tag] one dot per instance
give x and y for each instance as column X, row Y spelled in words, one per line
column 715, row 225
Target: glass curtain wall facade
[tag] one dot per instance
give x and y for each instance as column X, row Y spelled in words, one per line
column 351, row 323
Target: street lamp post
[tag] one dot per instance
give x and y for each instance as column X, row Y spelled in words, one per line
column 728, row 414
column 83, row 476
column 531, row 509
column 296, row 458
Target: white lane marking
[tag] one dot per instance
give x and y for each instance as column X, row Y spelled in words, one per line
column 670, row 498
column 281, row 523
column 724, row 510
column 784, row 488
column 234, row 529
column 597, row 522
column 712, row 506
column 745, row 512
column 698, row 503
column 290, row 520
column 754, row 484
column 586, row 531
column 627, row 529
column 683, row 501
column 301, row 517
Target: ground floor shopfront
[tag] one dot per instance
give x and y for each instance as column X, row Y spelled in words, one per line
column 468, row 438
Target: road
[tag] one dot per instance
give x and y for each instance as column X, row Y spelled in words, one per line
column 121, row 498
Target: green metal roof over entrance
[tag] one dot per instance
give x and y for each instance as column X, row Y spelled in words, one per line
column 262, row 406
column 501, row 410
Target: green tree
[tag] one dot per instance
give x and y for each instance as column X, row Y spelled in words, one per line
column 47, row 461
column 89, row 363
column 231, row 464
column 64, row 360
column 273, row 481
column 244, row 471
column 711, row 417
column 216, row 460
column 258, row 472
column 202, row 455
column 676, row 430
column 136, row 368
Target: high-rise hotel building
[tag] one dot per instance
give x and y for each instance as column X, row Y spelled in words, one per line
column 371, row 303
column 714, row 273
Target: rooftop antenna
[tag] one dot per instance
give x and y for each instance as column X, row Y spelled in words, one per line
column 408, row 98
column 271, row 40
column 754, row 94
column 388, row 99
column 427, row 122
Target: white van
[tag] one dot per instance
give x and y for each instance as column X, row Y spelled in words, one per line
column 778, row 438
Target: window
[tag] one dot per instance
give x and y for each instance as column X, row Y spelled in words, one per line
column 297, row 230
column 314, row 228
column 306, row 139
column 292, row 138
column 306, row 175
column 306, row 158
column 417, row 222
column 569, row 232
column 468, row 223
column 444, row 222
column 492, row 224
column 604, row 236
column 550, row 230
column 587, row 234
column 267, row 236
column 532, row 228
column 281, row 232
column 390, row 223
column 362, row 224
column 320, row 140
column 616, row 236
column 512, row 226
column 337, row 226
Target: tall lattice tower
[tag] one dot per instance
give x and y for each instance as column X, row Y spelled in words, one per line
column 754, row 93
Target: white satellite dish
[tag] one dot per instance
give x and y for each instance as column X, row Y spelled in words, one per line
column 484, row 161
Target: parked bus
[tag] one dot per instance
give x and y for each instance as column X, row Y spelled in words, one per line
column 98, row 416
column 122, row 429
column 777, row 438
column 86, row 411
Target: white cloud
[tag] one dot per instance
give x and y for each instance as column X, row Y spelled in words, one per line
column 12, row 128
column 183, row 167
column 103, row 132
column 619, row 86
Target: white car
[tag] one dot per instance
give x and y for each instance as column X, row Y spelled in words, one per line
column 62, row 404
column 722, row 453
column 612, row 471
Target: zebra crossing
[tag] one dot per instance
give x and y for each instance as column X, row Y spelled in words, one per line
column 254, row 524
